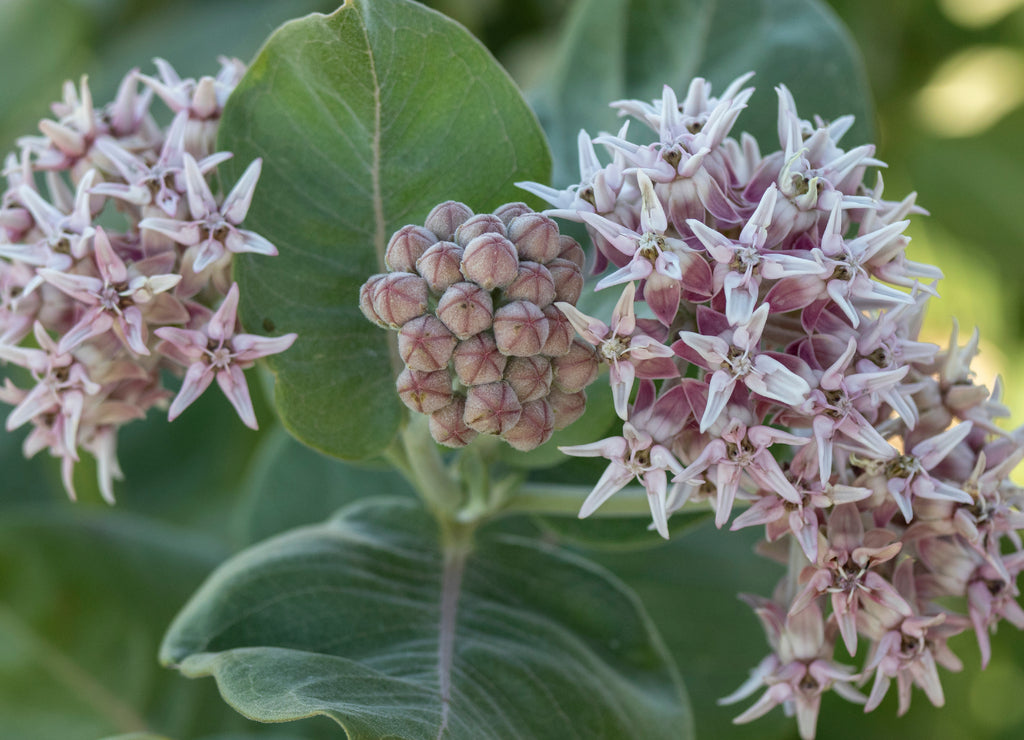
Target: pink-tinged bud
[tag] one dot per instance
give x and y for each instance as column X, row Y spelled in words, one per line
column 445, row 218
column 407, row 245
column 425, row 344
column 577, row 369
column 492, row 408
column 399, row 297
column 490, row 261
column 568, row 407
column 448, row 428
column 520, row 329
column 570, row 249
column 568, row 280
column 478, row 361
column 961, row 398
column 424, row 392
column 366, row 300
column 466, row 309
column 530, row 377
column 534, row 428
column 535, row 236
column 481, row 223
column 533, row 283
column 560, row 333
column 510, row 211
column 439, row 266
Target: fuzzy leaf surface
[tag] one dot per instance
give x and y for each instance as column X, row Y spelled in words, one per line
column 374, row 620
column 365, row 119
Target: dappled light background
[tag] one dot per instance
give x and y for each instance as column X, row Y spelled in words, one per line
column 948, row 82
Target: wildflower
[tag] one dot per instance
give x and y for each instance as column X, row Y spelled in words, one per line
column 799, row 670
column 630, row 352
column 734, row 355
column 113, row 299
column 213, row 230
column 217, row 351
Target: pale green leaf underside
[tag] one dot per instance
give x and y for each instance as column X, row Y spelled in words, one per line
column 368, row 620
column 365, row 119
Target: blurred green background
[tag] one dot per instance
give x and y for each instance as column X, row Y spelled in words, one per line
column 85, row 593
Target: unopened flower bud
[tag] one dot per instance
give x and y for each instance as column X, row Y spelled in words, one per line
column 568, row 407
column 446, row 217
column 448, row 428
column 509, row 211
column 399, row 297
column 466, row 309
column 406, row 246
column 490, row 261
column 481, row 223
column 534, row 428
column 577, row 369
column 570, row 249
column 560, row 333
column 535, row 236
column 424, row 392
column 568, row 280
column 366, row 300
column 492, row 408
column 425, row 344
column 530, row 377
column 439, row 266
column 960, row 398
column 478, row 361
column 520, row 329
column 533, row 283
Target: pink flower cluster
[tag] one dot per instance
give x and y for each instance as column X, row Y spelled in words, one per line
column 784, row 373
column 93, row 313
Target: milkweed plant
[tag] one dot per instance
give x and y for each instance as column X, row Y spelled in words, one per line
column 722, row 322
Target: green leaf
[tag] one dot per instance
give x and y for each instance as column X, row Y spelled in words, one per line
column 365, row 119
column 82, row 601
column 376, row 621
column 40, row 66
column 614, row 49
column 290, row 484
column 615, row 533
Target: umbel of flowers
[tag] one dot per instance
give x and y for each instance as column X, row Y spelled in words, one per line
column 473, row 298
column 783, row 374
column 93, row 314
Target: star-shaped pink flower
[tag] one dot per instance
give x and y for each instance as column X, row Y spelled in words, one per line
column 218, row 352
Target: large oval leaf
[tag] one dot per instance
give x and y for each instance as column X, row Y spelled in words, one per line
column 365, row 119
column 83, row 598
column 289, row 485
column 371, row 620
column 613, row 49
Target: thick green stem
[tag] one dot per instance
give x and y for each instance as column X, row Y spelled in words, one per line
column 553, row 498
column 418, row 459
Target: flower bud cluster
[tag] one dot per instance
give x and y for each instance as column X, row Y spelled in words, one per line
column 93, row 315
column 783, row 372
column 473, row 298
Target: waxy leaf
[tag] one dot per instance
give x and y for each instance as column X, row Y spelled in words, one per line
column 83, row 601
column 377, row 621
column 365, row 119
column 289, row 485
column 615, row 49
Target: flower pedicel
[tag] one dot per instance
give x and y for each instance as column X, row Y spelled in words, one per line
column 108, row 310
